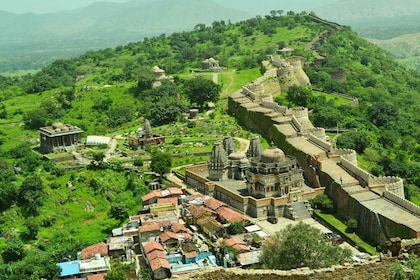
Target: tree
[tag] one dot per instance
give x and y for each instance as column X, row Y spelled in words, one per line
column 115, row 274
column 235, row 228
column 118, row 212
column 32, row 227
column 323, row 202
column 301, row 245
column 299, row 95
column 145, row 78
column 200, row 90
column 165, row 111
column 161, row 162
column 13, row 251
column 381, row 113
column 351, row 225
column 31, row 195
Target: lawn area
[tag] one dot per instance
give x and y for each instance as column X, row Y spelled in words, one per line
column 331, row 220
column 338, row 100
column 233, row 80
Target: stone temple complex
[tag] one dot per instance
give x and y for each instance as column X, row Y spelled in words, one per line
column 260, row 183
column 145, row 137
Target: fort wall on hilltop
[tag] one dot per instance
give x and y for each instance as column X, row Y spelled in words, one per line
column 378, row 203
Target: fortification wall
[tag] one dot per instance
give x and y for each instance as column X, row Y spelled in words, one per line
column 402, row 201
column 320, row 142
column 347, row 154
column 355, row 170
column 368, row 271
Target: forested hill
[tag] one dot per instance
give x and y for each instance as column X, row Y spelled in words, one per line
column 110, row 92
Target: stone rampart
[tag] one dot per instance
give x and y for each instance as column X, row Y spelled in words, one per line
column 249, row 93
column 372, row 270
column 347, row 154
column 296, row 123
column 414, row 209
column 356, row 171
column 318, row 132
column 320, row 142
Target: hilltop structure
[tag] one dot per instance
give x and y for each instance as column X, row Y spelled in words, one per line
column 160, row 75
column 145, row 137
column 211, row 64
column 59, row 138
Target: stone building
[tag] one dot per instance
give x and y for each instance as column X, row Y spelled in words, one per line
column 160, row 75
column 260, row 183
column 145, row 137
column 211, row 64
column 59, row 138
column 273, row 174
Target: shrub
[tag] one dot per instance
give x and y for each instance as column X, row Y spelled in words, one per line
column 177, row 141
column 191, row 125
column 351, row 225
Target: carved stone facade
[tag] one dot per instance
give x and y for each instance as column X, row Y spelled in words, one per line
column 59, row 138
column 273, row 174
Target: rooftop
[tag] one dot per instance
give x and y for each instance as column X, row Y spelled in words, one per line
column 69, row 268
column 230, row 215
column 91, row 251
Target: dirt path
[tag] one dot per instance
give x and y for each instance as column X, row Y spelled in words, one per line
column 244, row 144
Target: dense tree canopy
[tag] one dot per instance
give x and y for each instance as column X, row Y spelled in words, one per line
column 301, row 245
column 161, row 162
column 201, row 90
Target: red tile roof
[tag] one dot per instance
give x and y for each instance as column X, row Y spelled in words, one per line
column 149, row 227
column 175, row 191
column 155, row 254
column 199, row 211
column 178, row 227
column 210, row 224
column 100, row 248
column 158, row 263
column 100, row 276
column 190, row 255
column 238, row 244
column 150, row 246
column 213, row 203
column 164, row 237
column 150, row 195
column 173, row 200
column 230, row 215
column 233, row 241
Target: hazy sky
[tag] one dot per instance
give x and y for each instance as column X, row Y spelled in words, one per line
column 46, row 6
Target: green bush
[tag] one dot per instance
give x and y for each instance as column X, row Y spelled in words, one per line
column 177, row 141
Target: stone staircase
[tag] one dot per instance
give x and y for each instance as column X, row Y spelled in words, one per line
column 299, row 210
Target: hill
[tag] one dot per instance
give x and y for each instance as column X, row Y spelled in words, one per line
column 109, row 92
column 29, row 41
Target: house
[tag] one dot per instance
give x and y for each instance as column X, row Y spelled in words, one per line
column 249, row 258
column 151, row 197
column 179, row 228
column 169, row 239
column 161, row 268
column 237, row 244
column 118, row 244
column 149, row 232
column 195, row 212
column 156, row 258
column 210, row 226
column 92, row 251
column 164, row 219
column 165, row 200
column 213, row 203
column 227, row 215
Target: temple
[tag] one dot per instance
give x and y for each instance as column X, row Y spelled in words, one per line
column 59, row 138
column 145, row 137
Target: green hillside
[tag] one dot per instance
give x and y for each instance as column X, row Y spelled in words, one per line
column 109, row 92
